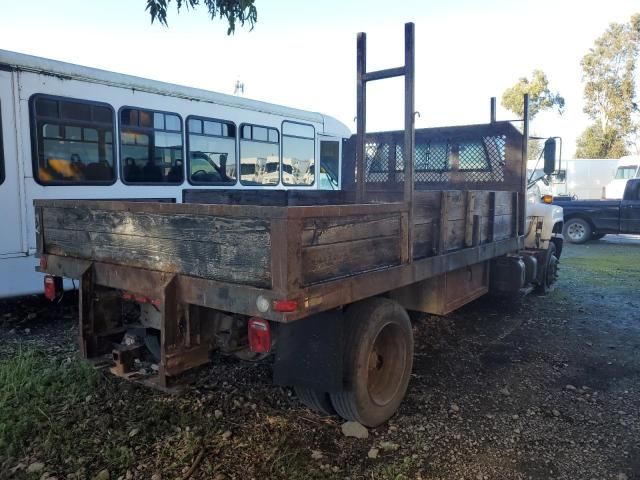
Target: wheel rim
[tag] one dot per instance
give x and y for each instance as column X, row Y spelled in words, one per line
column 576, row 231
column 386, row 364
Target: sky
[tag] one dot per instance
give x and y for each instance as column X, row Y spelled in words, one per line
column 303, row 53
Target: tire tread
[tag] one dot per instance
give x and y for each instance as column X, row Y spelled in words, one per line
column 344, row 401
column 315, row 400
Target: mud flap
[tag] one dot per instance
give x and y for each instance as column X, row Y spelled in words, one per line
column 309, row 353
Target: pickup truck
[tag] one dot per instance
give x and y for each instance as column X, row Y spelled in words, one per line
column 586, row 220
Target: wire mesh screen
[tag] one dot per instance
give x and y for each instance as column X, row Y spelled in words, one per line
column 486, row 156
column 377, row 165
column 472, row 160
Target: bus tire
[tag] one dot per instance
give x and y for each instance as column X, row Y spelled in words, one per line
column 315, row 400
column 378, row 357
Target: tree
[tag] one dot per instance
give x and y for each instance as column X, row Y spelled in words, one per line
column 540, row 98
column 609, row 91
column 233, row 10
column 596, row 143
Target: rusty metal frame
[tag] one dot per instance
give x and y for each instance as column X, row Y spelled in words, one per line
column 363, row 77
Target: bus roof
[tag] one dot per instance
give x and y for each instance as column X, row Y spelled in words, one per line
column 44, row 66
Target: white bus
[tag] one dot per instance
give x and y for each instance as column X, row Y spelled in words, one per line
column 73, row 132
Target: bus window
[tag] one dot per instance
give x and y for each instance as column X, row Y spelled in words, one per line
column 259, row 155
column 151, row 146
column 211, row 147
column 329, row 165
column 298, row 154
column 73, row 141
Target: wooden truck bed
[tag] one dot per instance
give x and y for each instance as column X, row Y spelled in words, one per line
column 321, row 256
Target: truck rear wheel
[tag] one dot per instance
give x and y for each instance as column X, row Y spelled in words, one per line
column 577, row 230
column 315, row 400
column 378, row 358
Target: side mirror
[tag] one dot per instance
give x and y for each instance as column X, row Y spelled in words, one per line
column 549, row 156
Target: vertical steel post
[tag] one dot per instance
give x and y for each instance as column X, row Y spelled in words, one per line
column 361, row 112
column 409, row 126
column 525, row 156
column 493, row 110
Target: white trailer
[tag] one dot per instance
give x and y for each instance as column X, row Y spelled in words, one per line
column 581, row 178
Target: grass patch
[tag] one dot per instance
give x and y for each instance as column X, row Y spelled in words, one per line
column 34, row 390
column 397, row 470
column 606, row 270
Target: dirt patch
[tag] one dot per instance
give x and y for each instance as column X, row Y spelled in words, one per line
column 545, row 388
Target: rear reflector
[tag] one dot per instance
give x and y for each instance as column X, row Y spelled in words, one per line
column 140, row 299
column 50, row 290
column 43, row 262
column 259, row 335
column 285, row 306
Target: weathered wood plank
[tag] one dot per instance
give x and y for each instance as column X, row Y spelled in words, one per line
column 455, row 234
column 323, row 231
column 457, row 205
column 502, row 227
column 424, row 244
column 203, row 228
column 325, row 262
column 469, row 225
column 247, row 262
column 256, row 211
column 504, row 197
column 442, row 223
column 426, row 206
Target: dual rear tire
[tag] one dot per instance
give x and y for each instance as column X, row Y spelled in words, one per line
column 377, row 363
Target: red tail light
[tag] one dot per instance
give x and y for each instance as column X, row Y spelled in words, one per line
column 50, row 290
column 285, row 306
column 259, row 335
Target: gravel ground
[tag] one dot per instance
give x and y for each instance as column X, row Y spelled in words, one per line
column 544, row 388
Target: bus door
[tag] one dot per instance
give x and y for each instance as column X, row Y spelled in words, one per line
column 10, row 207
column 329, row 174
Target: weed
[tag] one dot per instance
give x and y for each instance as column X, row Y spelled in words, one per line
column 34, row 389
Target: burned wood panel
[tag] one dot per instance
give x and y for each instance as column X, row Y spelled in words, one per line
column 321, row 263
column 343, row 246
column 280, row 198
column 203, row 228
column 324, row 231
column 503, row 227
column 236, row 250
column 425, row 240
column 461, row 219
column 426, row 206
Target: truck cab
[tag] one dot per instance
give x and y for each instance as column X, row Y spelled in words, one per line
column 628, row 167
column 544, row 219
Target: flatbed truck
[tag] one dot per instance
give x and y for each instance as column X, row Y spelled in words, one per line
column 323, row 280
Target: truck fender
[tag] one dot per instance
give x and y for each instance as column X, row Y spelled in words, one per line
column 309, row 352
